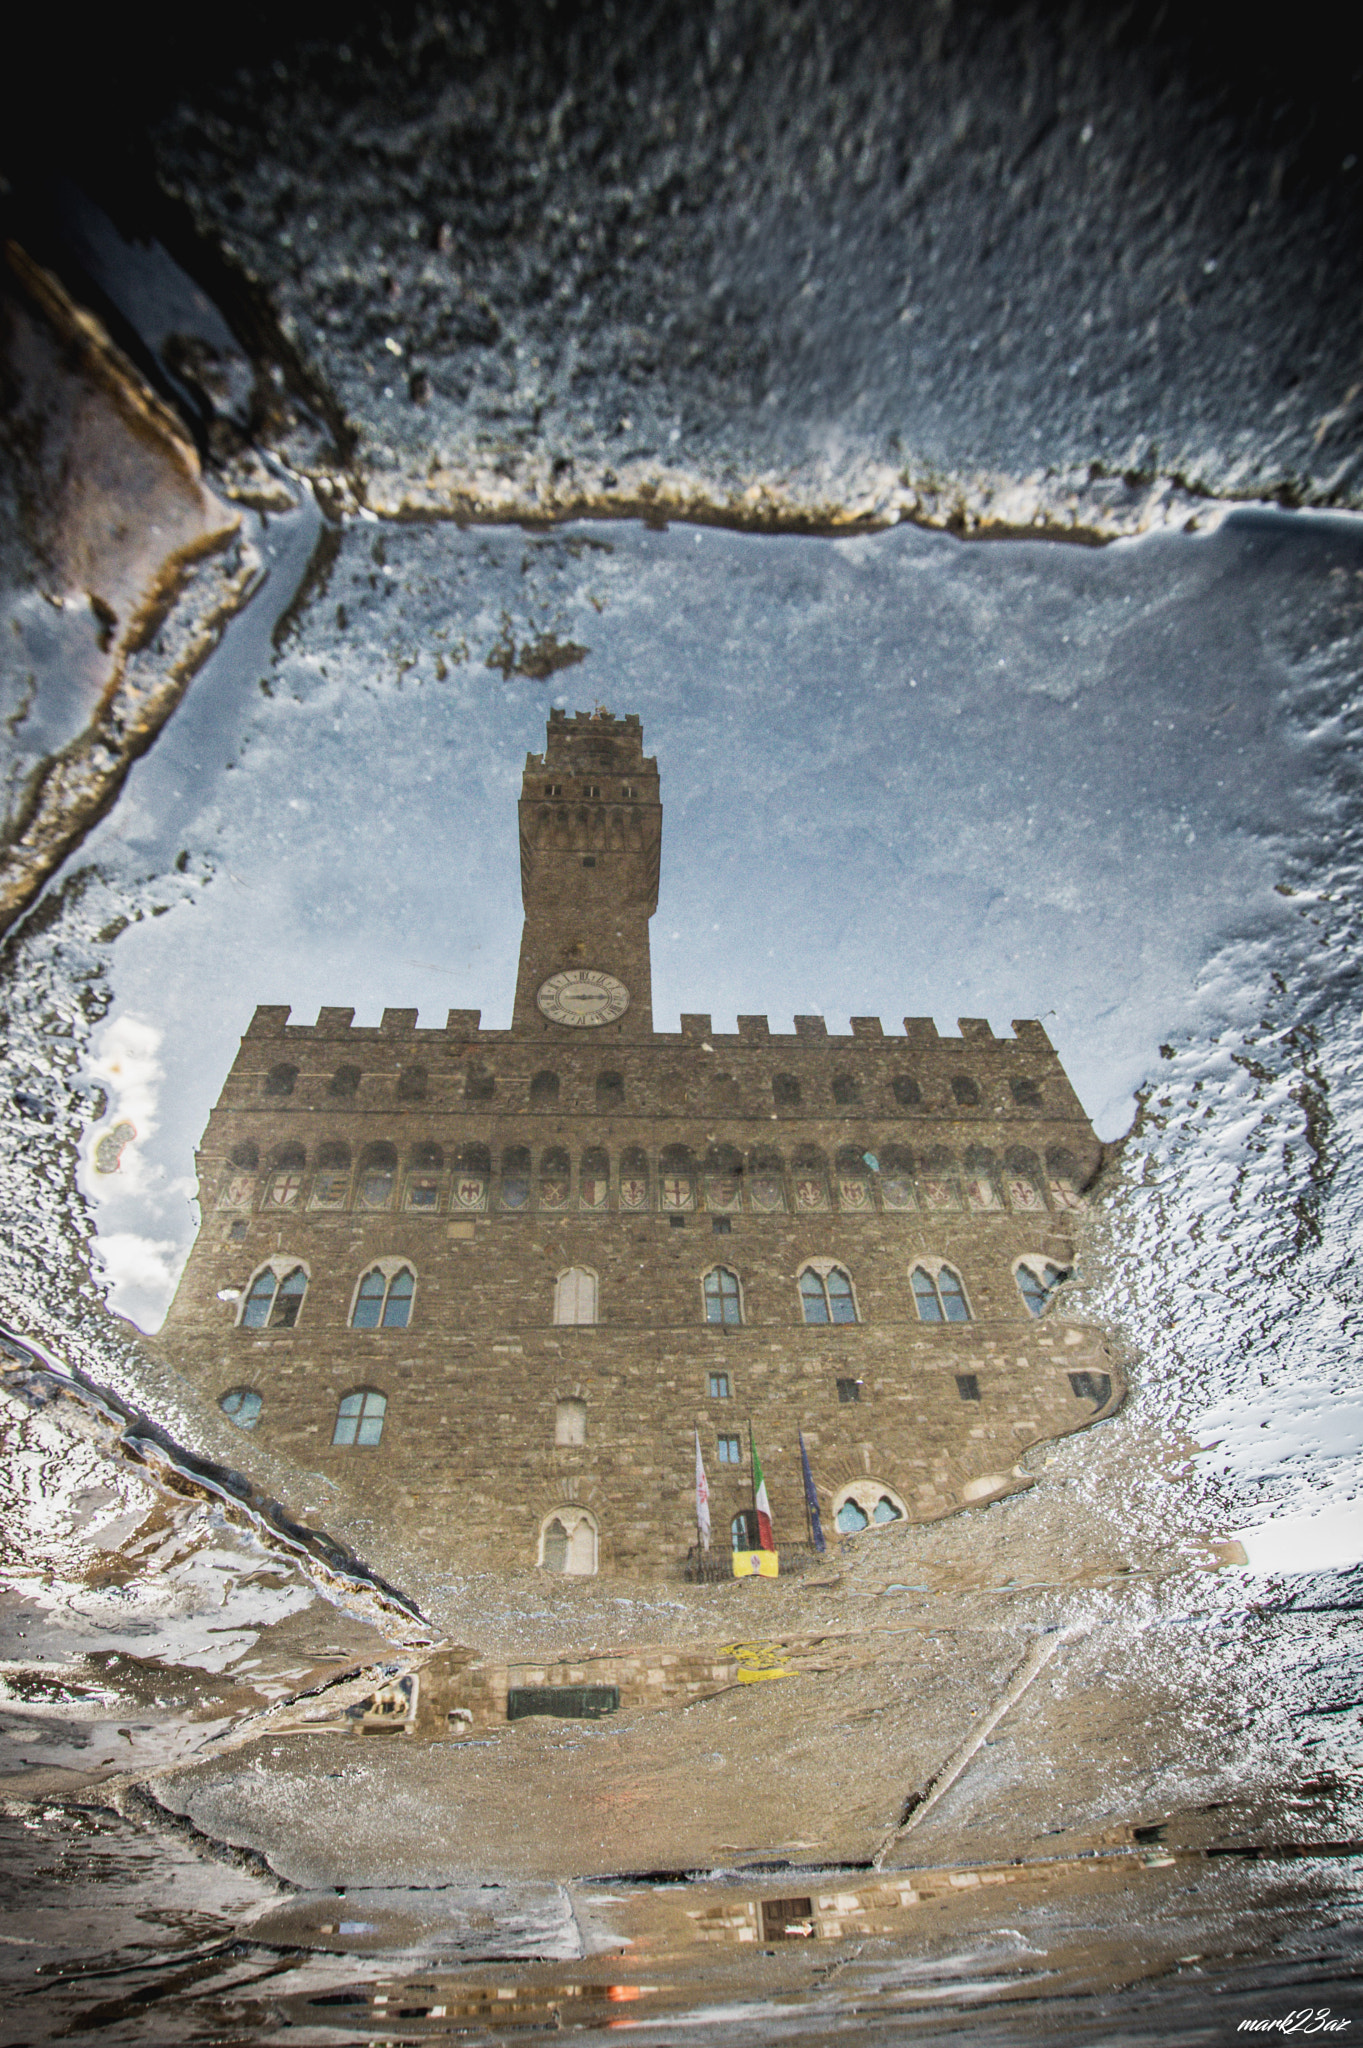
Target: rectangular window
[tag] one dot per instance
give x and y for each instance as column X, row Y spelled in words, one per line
column 627, row 792
column 721, row 1226
column 1092, row 1386
column 719, row 1386
column 553, row 789
column 677, row 1222
column 730, row 1450
column 593, row 789
column 849, row 1390
column 968, row 1385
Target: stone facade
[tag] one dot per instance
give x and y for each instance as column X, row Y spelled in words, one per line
column 525, row 1221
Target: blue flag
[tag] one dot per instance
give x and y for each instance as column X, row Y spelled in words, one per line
column 811, row 1499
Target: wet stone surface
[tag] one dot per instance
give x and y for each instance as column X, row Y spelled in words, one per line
column 1079, row 1765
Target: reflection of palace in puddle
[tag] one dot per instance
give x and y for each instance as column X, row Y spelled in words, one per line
column 832, row 1915
column 496, row 1283
column 448, row 1694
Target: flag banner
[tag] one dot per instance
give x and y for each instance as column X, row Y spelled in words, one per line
column 811, row 1498
column 756, row 1564
column 762, row 1506
column 702, row 1499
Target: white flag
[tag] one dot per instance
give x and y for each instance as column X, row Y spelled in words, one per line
column 702, row 1499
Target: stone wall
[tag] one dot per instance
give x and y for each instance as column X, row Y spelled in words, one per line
column 980, row 1162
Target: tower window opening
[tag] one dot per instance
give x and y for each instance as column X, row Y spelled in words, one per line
column 722, row 1303
column 345, row 1083
column 589, row 860
column 849, row 1390
column 359, row 1419
column 730, row 1450
column 1026, row 1094
column 1036, row 1284
column 594, row 791
column 273, row 1303
column 570, row 1422
column 280, row 1080
column 827, row 1297
column 242, row 1406
column 384, row 1301
column 744, row 1533
column 719, row 1386
column 966, row 1091
column 939, row 1298
column 906, row 1091
column 968, row 1385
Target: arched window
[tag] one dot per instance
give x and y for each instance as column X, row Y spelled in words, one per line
column 744, row 1533
column 280, row 1080
column 939, row 1297
column 723, row 1303
column 826, row 1295
column 479, row 1085
column 345, row 1082
column 610, row 1092
column 412, row 1084
column 570, row 1421
column 966, row 1091
column 575, row 1296
column 568, row 1542
column 544, row 1091
column 274, row 1299
column 383, row 1300
column 866, row 1504
column 1026, row 1094
column 907, row 1092
column 1037, row 1280
column 846, row 1090
column 785, row 1090
column 359, row 1419
column 246, row 1156
column 242, row 1406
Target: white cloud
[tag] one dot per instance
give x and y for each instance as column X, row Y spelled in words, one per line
column 142, row 1272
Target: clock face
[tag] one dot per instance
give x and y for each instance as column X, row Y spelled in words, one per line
column 583, row 995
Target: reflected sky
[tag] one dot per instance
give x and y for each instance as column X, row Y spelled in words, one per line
column 901, row 775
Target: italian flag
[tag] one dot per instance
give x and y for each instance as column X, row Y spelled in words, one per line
column 765, row 1539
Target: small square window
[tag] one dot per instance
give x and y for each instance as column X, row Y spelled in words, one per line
column 593, row 789
column 677, row 1222
column 237, row 1233
column 627, row 792
column 589, row 860
column 553, row 789
column 719, row 1386
column 720, row 1225
column 730, row 1450
column 968, row 1385
column 849, row 1390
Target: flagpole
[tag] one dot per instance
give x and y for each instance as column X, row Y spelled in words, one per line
column 809, row 1523
column 700, row 1547
column 752, row 1484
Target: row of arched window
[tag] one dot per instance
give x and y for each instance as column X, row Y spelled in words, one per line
column 678, row 1181
column 788, row 1091
column 385, row 1292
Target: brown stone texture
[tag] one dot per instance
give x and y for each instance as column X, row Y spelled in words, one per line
column 492, row 1163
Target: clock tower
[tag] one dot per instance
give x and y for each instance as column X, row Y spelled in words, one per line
column 591, row 837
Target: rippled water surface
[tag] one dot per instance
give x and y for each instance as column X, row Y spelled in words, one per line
column 1081, row 1765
